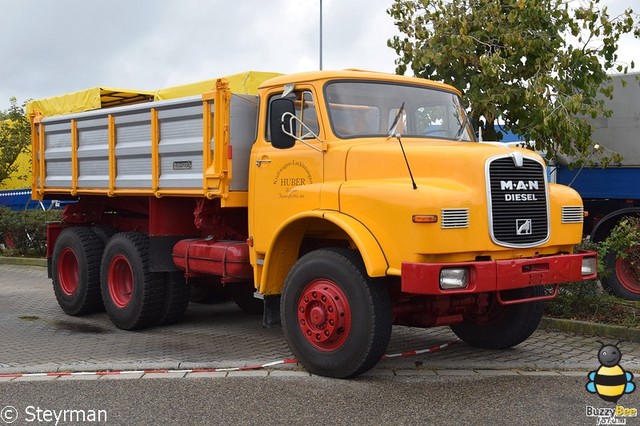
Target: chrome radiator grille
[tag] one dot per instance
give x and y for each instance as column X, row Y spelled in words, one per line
column 517, row 202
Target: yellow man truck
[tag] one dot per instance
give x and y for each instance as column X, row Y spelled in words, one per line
column 348, row 201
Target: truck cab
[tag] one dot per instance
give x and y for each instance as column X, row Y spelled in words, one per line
column 381, row 175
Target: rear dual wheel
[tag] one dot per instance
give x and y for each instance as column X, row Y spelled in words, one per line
column 176, row 298
column 133, row 296
column 336, row 319
column 75, row 271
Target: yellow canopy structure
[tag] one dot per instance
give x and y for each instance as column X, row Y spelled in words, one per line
column 89, row 99
column 103, row 97
column 243, row 83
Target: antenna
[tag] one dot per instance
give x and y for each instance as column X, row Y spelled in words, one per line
column 413, row 182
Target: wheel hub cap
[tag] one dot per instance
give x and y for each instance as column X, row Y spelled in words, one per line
column 324, row 315
column 120, row 281
column 68, row 271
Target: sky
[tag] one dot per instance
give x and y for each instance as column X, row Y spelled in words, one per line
column 49, row 48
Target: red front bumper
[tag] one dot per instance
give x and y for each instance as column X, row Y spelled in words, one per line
column 497, row 275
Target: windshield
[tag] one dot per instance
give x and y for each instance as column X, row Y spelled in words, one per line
column 363, row 108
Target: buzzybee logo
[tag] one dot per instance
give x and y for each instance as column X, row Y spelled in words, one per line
column 610, row 381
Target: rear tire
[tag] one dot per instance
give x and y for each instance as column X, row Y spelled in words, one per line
column 623, row 279
column 75, row 271
column 176, row 298
column 503, row 326
column 133, row 296
column 336, row 319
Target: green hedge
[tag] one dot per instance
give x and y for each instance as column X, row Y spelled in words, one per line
column 24, row 233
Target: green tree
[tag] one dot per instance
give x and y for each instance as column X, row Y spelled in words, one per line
column 15, row 132
column 537, row 65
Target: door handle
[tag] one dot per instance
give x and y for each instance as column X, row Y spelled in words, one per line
column 263, row 160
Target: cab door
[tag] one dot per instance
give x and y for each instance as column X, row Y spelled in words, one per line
column 284, row 182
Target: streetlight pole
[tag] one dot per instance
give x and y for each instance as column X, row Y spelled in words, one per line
column 320, row 34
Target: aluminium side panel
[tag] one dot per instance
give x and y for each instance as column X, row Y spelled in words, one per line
column 180, row 145
column 57, row 154
column 133, row 148
column 244, row 121
column 93, row 152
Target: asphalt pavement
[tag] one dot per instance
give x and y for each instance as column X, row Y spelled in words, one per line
column 37, row 337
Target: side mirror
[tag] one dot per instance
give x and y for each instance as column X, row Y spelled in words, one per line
column 282, row 129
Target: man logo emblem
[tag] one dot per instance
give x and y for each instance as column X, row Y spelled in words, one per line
column 523, row 227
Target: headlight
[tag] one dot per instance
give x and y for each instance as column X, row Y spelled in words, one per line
column 454, row 278
column 589, row 266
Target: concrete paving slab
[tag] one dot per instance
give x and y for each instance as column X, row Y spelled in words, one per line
column 206, row 375
column 250, row 373
column 43, row 378
column 167, row 375
column 288, row 373
column 124, row 376
column 496, row 372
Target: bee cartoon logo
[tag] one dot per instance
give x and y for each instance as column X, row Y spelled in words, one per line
column 610, row 381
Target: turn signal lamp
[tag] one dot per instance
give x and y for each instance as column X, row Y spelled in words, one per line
column 424, row 218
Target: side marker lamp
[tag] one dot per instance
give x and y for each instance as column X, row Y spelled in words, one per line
column 424, row 218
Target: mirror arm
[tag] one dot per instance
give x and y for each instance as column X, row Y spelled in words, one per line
column 293, row 118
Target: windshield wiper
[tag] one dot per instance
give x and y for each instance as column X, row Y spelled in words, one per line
column 396, row 121
column 460, row 131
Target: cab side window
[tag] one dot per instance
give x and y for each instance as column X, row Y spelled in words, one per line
column 305, row 111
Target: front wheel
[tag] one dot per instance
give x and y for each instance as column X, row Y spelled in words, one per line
column 503, row 326
column 336, row 319
column 623, row 279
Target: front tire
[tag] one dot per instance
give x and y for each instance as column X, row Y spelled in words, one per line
column 336, row 319
column 75, row 271
column 503, row 326
column 133, row 296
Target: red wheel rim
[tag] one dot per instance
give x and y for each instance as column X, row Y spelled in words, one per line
column 68, row 271
column 324, row 315
column 628, row 273
column 120, row 281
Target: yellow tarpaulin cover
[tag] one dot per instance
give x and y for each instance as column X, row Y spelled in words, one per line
column 244, row 83
column 103, row 97
column 86, row 100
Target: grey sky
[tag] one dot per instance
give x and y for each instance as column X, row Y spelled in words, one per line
column 51, row 47
column 54, row 47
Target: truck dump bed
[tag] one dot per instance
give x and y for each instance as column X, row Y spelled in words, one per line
column 177, row 147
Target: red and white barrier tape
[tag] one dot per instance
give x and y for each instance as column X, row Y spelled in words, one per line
column 207, row 370
column 419, row 352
